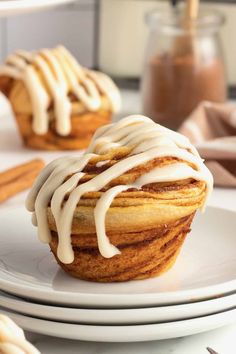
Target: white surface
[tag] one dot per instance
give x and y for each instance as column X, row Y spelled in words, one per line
column 205, row 268
column 222, row 340
column 124, row 333
column 118, row 316
column 15, row 7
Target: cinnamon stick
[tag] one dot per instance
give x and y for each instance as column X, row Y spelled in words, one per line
column 19, row 178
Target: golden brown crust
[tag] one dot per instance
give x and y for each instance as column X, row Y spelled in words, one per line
column 83, row 127
column 148, row 231
column 148, row 207
column 148, row 225
column 83, row 122
column 18, row 95
column 143, row 255
column 133, row 212
column 6, row 84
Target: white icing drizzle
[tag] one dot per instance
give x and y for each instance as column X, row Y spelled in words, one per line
column 39, row 98
column 16, row 61
column 12, row 339
column 147, row 141
column 102, row 163
column 49, row 76
column 11, row 72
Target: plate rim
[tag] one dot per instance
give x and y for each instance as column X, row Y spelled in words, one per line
column 117, row 300
column 153, row 331
column 23, row 307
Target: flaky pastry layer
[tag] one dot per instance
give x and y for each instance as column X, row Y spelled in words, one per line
column 83, row 127
column 83, row 122
column 144, row 254
column 147, row 225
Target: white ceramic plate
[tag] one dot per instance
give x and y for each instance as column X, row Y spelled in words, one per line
column 118, row 316
column 205, row 268
column 137, row 333
column 15, row 7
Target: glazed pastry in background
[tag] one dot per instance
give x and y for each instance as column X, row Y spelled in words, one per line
column 122, row 210
column 12, row 338
column 58, row 104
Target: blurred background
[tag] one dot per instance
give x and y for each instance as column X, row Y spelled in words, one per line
column 107, row 34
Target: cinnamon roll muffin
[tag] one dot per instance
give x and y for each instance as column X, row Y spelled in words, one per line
column 57, row 103
column 122, row 210
column 12, row 338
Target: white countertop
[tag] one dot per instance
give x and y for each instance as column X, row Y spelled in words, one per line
column 223, row 340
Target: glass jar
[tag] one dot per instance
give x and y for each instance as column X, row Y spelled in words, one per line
column 183, row 65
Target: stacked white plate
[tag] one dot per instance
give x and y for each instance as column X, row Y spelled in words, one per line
column 196, row 295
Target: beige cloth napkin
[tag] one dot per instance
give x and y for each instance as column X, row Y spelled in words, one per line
column 212, row 129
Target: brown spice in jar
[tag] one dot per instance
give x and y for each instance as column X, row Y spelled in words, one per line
column 174, row 85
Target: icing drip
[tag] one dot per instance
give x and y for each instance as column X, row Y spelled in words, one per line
column 39, row 99
column 58, row 88
column 12, row 339
column 49, row 76
column 102, row 163
column 147, row 141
